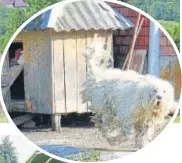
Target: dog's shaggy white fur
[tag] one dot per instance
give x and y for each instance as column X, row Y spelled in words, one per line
column 125, row 103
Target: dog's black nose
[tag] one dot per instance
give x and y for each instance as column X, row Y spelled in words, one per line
column 159, row 97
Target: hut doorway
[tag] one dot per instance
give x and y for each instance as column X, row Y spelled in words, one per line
column 17, row 88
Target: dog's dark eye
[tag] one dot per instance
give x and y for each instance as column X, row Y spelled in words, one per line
column 164, row 91
column 155, row 90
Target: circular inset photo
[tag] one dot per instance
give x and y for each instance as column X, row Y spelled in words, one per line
column 91, row 80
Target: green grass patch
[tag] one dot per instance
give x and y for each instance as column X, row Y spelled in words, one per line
column 40, row 158
column 55, row 161
column 168, row 24
column 177, row 120
column 91, row 156
column 173, row 28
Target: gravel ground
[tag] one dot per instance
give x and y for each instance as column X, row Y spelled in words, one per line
column 89, row 138
column 101, row 156
column 76, row 137
column 105, row 156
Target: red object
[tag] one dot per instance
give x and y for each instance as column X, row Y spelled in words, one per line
column 18, row 53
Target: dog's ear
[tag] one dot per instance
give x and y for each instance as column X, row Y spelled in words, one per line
column 89, row 51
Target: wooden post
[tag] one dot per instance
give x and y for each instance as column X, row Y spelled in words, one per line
column 129, row 57
column 56, row 121
column 133, row 41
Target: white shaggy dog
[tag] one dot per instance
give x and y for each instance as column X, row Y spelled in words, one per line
column 125, row 103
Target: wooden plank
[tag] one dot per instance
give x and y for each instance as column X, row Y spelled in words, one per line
column 177, row 79
column 170, row 70
column 18, row 38
column 110, row 42
column 133, row 41
column 18, row 105
column 89, row 37
column 102, row 37
column 22, row 119
column 7, row 101
column 105, row 37
column 38, row 72
column 81, row 69
column 10, row 77
column 5, row 67
column 29, row 72
column 49, row 160
column 58, row 71
column 89, row 40
column 45, row 74
column 7, row 96
column 70, row 71
column 138, row 60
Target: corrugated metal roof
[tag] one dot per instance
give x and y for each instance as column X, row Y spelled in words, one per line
column 80, row 15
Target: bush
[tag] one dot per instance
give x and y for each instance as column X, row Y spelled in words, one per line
column 173, row 28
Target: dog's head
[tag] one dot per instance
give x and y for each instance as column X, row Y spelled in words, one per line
column 162, row 94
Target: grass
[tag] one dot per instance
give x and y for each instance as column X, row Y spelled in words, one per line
column 38, row 158
column 173, row 28
column 168, row 25
column 91, row 156
column 54, row 161
column 41, row 158
column 177, row 120
column 3, row 118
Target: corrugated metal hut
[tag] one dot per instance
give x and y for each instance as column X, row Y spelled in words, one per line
column 55, row 67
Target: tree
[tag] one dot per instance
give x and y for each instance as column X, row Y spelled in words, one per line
column 176, row 35
column 17, row 16
column 161, row 10
column 8, row 152
column 2, row 159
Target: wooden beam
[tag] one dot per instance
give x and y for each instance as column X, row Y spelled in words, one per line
column 9, row 78
column 50, row 159
column 22, row 119
column 18, row 105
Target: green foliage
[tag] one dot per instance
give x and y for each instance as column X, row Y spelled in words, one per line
column 177, row 120
column 91, row 156
column 2, row 159
column 39, row 158
column 163, row 9
column 8, row 152
column 167, row 11
column 13, row 18
column 173, row 28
